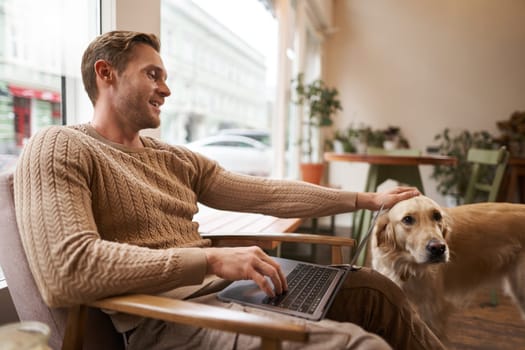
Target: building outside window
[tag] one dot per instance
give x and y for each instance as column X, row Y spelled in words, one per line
column 41, row 44
column 40, row 52
column 220, row 72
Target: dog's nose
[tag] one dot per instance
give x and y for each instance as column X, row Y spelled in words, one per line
column 436, row 248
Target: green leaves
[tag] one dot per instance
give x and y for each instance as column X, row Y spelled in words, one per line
column 454, row 180
column 321, row 102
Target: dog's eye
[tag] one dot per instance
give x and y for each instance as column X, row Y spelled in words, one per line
column 437, row 216
column 408, row 220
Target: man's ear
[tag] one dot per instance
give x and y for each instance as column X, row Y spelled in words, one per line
column 104, row 70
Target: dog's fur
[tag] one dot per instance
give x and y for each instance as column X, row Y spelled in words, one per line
column 439, row 256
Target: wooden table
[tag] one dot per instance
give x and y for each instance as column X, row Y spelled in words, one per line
column 220, row 221
column 402, row 168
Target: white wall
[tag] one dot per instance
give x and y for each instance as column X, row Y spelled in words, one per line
column 425, row 65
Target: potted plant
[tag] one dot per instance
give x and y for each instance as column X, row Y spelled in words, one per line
column 343, row 141
column 357, row 139
column 321, row 103
column 513, row 133
column 452, row 181
column 354, row 139
column 393, row 138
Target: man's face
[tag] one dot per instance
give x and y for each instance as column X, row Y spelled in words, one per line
column 141, row 89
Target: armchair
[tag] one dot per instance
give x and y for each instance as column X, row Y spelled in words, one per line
column 87, row 327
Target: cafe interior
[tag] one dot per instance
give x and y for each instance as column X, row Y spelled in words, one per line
column 414, row 87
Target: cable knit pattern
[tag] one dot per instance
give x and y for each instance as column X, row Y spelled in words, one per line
column 286, row 199
column 99, row 219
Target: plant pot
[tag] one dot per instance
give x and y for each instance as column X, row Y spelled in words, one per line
column 338, row 146
column 361, row 147
column 389, row 145
column 312, row 172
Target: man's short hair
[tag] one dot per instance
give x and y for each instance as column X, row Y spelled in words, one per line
column 114, row 47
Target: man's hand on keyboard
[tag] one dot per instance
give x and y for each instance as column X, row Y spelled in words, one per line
column 247, row 263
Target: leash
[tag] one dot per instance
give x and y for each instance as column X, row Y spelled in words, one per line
column 365, row 239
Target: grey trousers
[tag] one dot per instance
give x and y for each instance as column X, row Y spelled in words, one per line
column 370, row 312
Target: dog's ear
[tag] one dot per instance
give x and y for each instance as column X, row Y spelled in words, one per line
column 383, row 231
column 446, row 224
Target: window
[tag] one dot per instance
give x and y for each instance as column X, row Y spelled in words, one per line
column 223, row 75
column 41, row 43
column 236, row 152
column 307, row 42
column 220, row 57
column 40, row 53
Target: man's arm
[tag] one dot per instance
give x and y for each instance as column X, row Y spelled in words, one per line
column 70, row 262
column 285, row 198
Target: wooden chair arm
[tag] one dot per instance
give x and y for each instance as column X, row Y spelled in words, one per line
column 230, row 239
column 271, row 330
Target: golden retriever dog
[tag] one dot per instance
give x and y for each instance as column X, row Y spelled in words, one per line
column 440, row 256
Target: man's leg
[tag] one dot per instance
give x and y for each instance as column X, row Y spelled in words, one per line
column 326, row 334
column 377, row 304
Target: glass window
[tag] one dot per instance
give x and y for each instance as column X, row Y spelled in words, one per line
column 220, row 57
column 40, row 53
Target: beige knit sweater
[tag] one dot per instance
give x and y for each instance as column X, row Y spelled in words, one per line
column 99, row 219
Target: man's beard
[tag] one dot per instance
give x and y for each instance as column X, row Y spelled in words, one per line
column 139, row 115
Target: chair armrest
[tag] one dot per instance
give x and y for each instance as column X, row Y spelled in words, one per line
column 204, row 316
column 229, row 239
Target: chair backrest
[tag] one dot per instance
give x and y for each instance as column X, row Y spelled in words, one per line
column 487, row 170
column 28, row 303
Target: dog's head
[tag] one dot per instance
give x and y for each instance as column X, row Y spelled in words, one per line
column 414, row 231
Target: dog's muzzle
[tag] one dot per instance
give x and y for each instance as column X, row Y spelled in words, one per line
column 436, row 250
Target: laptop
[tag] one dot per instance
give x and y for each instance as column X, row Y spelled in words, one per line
column 311, row 287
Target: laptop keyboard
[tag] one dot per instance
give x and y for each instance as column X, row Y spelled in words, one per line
column 307, row 285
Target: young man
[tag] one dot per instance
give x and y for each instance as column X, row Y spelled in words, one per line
column 103, row 211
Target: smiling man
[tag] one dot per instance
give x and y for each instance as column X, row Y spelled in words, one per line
column 104, row 211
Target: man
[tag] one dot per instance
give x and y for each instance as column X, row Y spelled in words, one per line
column 103, row 211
